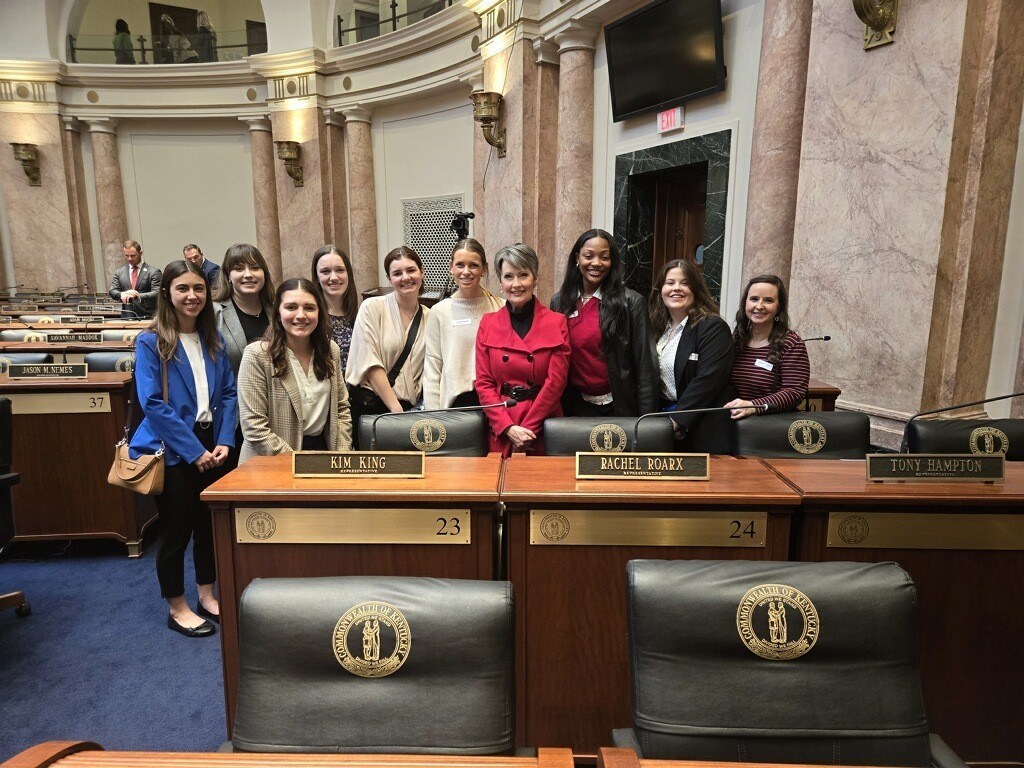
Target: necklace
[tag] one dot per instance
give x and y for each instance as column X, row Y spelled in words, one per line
column 250, row 314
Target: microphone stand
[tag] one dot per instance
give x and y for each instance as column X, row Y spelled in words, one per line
column 636, row 427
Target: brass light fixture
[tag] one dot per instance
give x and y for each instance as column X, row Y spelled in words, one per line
column 880, row 18
column 291, row 153
column 28, row 156
column 486, row 110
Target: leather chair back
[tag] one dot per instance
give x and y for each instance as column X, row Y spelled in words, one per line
column 120, row 334
column 22, row 334
column 1004, row 436
column 40, row 319
column 111, row 361
column 461, row 433
column 776, row 662
column 566, row 435
column 797, row 435
column 376, row 664
column 6, row 358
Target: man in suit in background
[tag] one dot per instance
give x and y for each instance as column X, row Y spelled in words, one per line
column 194, row 253
column 135, row 285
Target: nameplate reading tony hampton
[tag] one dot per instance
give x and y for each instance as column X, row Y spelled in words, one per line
column 924, row 467
column 642, row 466
column 368, row 464
column 47, row 371
column 74, row 338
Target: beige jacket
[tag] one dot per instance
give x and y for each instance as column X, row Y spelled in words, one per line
column 271, row 408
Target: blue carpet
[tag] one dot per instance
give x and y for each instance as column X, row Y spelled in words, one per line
column 95, row 660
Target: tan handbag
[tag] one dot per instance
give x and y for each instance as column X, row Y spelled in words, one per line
column 145, row 474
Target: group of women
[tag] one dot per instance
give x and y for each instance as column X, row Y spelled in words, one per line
column 309, row 361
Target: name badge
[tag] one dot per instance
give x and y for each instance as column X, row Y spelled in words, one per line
column 693, row 357
column 764, row 364
column 463, row 321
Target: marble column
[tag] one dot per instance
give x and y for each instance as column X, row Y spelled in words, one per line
column 546, row 152
column 268, row 235
column 109, row 194
column 81, row 233
column 575, row 163
column 337, row 183
column 778, row 126
column 362, row 198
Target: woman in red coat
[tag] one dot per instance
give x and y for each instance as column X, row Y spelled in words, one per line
column 522, row 352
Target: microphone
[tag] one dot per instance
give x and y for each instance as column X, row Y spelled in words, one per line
column 510, row 403
column 819, row 338
column 763, row 407
column 903, row 445
column 69, row 287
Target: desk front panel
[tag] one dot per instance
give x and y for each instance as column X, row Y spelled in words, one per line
column 970, row 598
column 572, row 652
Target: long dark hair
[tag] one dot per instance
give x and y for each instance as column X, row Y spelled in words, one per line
column 121, row 26
column 276, row 337
column 703, row 304
column 243, row 253
column 349, row 301
column 405, row 252
column 613, row 290
column 780, row 328
column 165, row 321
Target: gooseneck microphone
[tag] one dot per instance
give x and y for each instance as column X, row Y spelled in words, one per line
column 903, row 445
column 763, row 408
column 819, row 338
column 510, row 403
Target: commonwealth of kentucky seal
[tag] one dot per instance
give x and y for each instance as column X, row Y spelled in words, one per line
column 607, row 438
column 372, row 639
column 853, row 529
column 777, row 622
column 125, row 364
column 806, row 436
column 260, row 525
column 989, row 440
column 554, row 527
column 427, row 435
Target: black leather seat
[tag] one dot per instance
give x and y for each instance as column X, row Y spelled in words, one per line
column 742, row 661
column 966, row 436
column 6, row 358
column 110, row 361
column 816, row 435
column 120, row 334
column 376, row 664
column 566, row 435
column 23, row 334
column 461, row 433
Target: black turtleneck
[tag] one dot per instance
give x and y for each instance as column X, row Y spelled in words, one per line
column 522, row 319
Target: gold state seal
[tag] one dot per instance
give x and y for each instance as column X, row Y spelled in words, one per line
column 554, row 527
column 427, row 435
column 607, row 438
column 989, row 440
column 372, row 639
column 777, row 622
column 260, row 525
column 854, row 529
column 806, row 436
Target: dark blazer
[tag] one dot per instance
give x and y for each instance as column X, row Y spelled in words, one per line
column 632, row 365
column 702, row 370
column 210, row 268
column 148, row 286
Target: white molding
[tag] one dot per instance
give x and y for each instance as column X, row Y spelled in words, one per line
column 101, row 124
column 357, row 113
column 258, row 123
column 577, row 35
column 545, row 51
column 158, row 75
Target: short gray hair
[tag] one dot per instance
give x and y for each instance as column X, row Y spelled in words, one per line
column 518, row 256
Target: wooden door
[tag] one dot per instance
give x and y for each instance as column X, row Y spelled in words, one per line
column 680, row 203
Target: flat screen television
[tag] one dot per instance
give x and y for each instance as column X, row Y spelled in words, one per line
column 664, row 54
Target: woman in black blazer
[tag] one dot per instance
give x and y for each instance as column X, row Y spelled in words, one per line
column 694, row 347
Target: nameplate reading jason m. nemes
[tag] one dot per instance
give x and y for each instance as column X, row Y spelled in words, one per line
column 74, row 338
column 642, row 466
column 924, row 467
column 368, row 464
column 47, row 370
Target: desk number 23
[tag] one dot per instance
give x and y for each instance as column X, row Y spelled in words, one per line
column 449, row 526
column 739, row 530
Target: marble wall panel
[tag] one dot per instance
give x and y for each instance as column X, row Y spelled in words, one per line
column 362, row 203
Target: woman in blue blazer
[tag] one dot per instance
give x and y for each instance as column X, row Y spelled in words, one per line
column 196, row 429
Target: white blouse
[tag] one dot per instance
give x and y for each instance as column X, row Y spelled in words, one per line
column 315, row 396
column 194, row 353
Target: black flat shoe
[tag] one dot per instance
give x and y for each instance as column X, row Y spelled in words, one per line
column 201, row 610
column 203, row 630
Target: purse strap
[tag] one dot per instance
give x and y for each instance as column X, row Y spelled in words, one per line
column 410, row 339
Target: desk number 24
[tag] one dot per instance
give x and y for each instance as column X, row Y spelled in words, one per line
column 739, row 530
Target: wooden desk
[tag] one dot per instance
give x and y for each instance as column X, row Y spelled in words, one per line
column 568, row 544
column 820, row 397
column 73, row 352
column 347, row 527
column 970, row 598
column 64, row 436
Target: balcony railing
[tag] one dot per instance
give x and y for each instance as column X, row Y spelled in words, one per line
column 365, row 25
column 165, row 49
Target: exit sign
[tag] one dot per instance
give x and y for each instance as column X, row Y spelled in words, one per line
column 670, row 120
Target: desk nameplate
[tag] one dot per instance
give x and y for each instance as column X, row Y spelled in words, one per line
column 369, row 464
column 346, row 525
column 637, row 528
column 80, row 319
column 642, row 466
column 893, row 530
column 59, row 402
column 48, row 371
column 98, row 308
column 75, row 338
column 19, row 307
column 935, row 467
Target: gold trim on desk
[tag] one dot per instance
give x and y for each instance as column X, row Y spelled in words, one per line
column 610, row 527
column 319, row 525
column 58, row 402
column 893, row 530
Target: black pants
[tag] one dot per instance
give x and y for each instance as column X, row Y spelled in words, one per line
column 182, row 517
column 573, row 404
column 363, row 401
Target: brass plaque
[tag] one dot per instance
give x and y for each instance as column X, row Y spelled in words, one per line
column 811, row 404
column 80, row 319
column 357, row 464
column 98, row 308
column 297, row 525
column 19, row 308
column 47, row 370
column 894, row 530
column 59, row 402
column 642, row 466
column 935, row 467
column 612, row 527
column 75, row 338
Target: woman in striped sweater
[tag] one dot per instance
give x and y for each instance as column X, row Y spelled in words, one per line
column 770, row 365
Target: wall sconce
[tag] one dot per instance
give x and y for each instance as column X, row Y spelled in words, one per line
column 879, row 16
column 28, row 156
column 486, row 110
column 291, row 153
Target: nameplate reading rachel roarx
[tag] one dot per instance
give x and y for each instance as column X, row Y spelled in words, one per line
column 642, row 466
column 932, row 467
column 368, row 464
column 74, row 338
column 47, row 371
